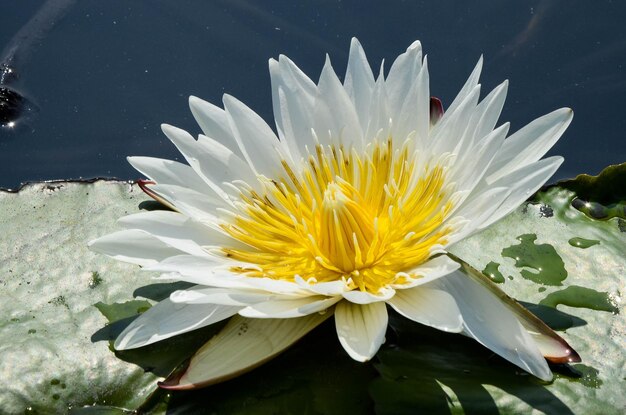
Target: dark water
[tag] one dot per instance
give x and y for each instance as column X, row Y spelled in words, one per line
column 102, row 76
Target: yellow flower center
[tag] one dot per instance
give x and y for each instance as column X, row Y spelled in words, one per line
column 368, row 219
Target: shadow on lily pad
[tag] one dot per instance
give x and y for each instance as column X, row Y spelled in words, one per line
column 160, row 358
column 555, row 319
column 316, row 376
column 414, row 368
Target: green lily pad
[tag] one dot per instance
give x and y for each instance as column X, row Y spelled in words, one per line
column 64, row 304
column 49, row 283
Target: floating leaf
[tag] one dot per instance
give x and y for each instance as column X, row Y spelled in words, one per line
column 240, row 347
column 56, row 351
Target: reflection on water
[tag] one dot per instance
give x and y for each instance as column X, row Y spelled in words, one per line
column 97, row 79
column 15, row 108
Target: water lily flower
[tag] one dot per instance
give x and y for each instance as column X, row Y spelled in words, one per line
column 347, row 209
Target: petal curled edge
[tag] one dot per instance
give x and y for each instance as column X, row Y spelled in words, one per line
column 289, row 307
column 167, row 319
column 429, row 271
column 502, row 325
column 242, row 345
column 429, row 306
column 529, row 144
column 493, row 325
column 133, row 246
column 553, row 347
column 361, row 328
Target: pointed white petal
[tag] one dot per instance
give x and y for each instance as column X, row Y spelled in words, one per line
column 469, row 86
column 363, row 297
column 221, row 296
column 214, row 123
column 210, row 271
column 293, row 97
column 174, row 229
column 240, row 346
column 402, row 75
column 489, row 321
column 551, row 345
column 361, row 328
column 478, row 210
column 167, row 319
column 331, row 288
column 133, row 246
column 379, row 111
column 429, row 271
column 180, row 231
column 415, row 113
column 211, row 160
column 522, row 184
column 445, row 135
column 163, row 171
column 289, row 307
column 488, row 112
column 196, row 205
column 530, row 143
column 276, row 286
column 429, row 306
column 470, row 167
column 256, row 140
column 359, row 82
column 335, row 116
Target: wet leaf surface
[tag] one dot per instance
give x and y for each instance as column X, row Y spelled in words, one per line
column 55, row 340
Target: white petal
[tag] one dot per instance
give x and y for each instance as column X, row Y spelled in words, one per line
column 214, row 271
column 240, row 346
column 335, row 116
column 174, row 229
column 211, row 160
column 379, row 111
column 276, row 286
column 361, row 328
column 221, row 296
column 491, row 323
column 446, row 133
column 255, row 138
column 211, row 271
column 363, row 297
column 219, row 164
column 359, row 82
column 214, row 123
column 430, row 271
column 530, row 143
column 470, row 167
column 134, row 246
column 293, row 97
column 522, row 184
column 488, row 112
column 551, row 345
column 289, row 307
column 331, row 288
column 429, row 306
column 415, row 113
column 478, row 210
column 469, row 86
column 167, row 319
column 164, row 171
column 196, row 205
column 402, row 75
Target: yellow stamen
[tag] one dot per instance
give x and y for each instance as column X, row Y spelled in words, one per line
column 366, row 218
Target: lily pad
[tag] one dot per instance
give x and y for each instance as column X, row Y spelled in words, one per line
column 56, row 354
column 49, row 283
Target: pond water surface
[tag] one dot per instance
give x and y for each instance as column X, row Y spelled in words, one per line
column 98, row 78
